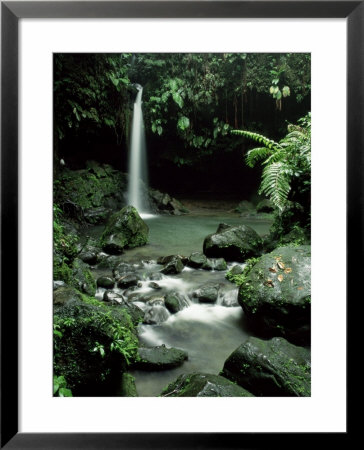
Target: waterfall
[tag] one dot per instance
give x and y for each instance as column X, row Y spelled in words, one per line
column 138, row 181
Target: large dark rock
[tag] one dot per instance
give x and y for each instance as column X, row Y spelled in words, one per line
column 215, row 264
column 233, row 243
column 175, row 302
column 207, row 294
column 82, row 277
column 89, row 194
column 174, row 266
column 105, row 282
column 197, row 260
column 97, row 216
column 86, row 353
column 128, row 280
column 124, row 229
column 155, row 312
column 164, row 203
column 274, row 368
column 276, row 294
column 204, row 385
column 65, row 295
column 160, row 358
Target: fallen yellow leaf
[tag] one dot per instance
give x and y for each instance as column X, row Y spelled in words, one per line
column 288, row 270
column 280, row 265
column 280, row 278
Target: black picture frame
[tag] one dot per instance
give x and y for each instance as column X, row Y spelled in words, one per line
column 11, row 12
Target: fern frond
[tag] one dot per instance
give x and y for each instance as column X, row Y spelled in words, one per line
column 275, row 184
column 256, row 154
column 272, row 145
column 277, row 156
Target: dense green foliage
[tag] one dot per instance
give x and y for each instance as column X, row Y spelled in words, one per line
column 190, row 100
column 286, row 177
column 285, row 163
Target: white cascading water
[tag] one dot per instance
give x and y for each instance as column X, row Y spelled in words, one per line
column 137, row 159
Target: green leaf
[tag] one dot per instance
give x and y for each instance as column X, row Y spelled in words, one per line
column 159, row 130
column 64, row 392
column 178, row 99
column 183, row 123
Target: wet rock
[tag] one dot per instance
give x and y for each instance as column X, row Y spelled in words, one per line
column 236, row 270
column 96, row 216
column 204, row 385
column 174, row 266
column 128, row 280
column 215, row 264
column 160, row 358
column 197, row 260
column 164, row 203
column 233, row 243
column 113, row 297
column 65, row 295
column 156, row 276
column 175, row 302
column 207, row 294
column 154, row 285
column 157, row 313
column 83, row 280
column 128, row 387
column 124, row 229
column 108, row 261
column 276, row 294
column 270, row 368
column 105, row 282
column 122, row 269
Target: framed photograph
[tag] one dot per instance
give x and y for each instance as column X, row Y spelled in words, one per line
column 228, row 91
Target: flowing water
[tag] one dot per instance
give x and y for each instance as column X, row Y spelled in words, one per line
column 208, row 332
column 138, row 159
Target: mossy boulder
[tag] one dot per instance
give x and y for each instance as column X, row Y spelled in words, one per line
column 197, row 260
column 82, row 278
column 124, row 229
column 215, row 264
column 173, row 266
column 175, row 302
column 128, row 387
column 233, row 243
column 94, row 344
column 273, row 368
column 105, row 282
column 128, row 280
column 208, row 293
column 160, row 358
column 275, row 294
column 204, row 385
column 89, row 194
column 164, row 203
column 65, row 295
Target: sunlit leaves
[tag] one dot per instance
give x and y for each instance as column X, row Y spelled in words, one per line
column 183, row 123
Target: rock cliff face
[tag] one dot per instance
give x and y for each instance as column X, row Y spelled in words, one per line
column 91, row 195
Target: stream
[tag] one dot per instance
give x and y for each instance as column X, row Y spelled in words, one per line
column 208, row 332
